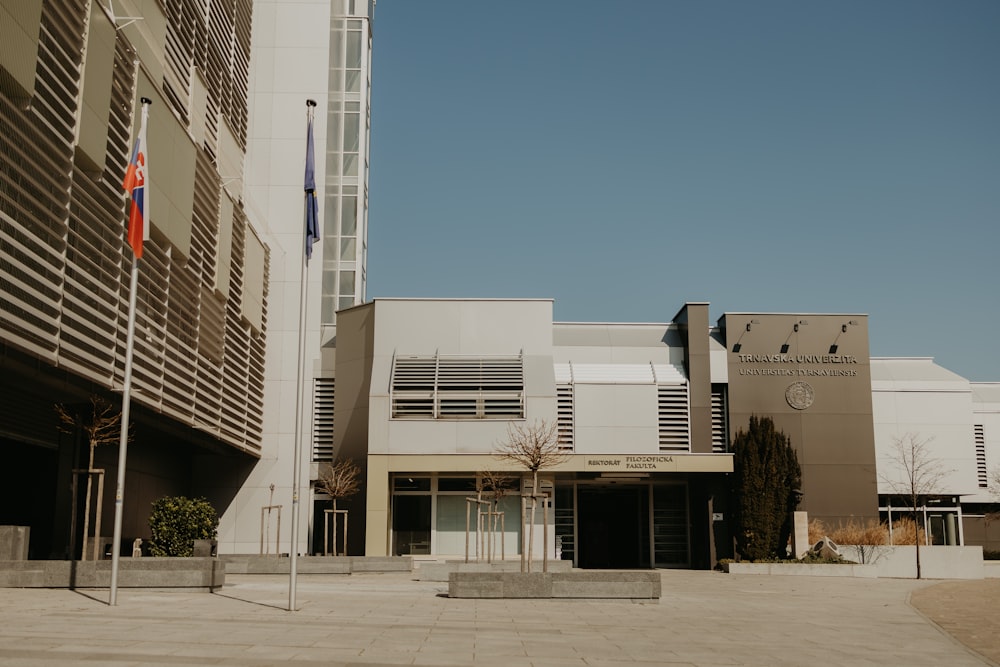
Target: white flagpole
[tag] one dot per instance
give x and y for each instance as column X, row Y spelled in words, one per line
column 126, row 402
column 297, row 455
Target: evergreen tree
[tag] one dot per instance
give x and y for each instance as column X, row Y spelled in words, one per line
column 765, row 489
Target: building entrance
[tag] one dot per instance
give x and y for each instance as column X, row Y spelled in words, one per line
column 613, row 527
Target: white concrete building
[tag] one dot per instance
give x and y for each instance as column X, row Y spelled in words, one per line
column 318, row 50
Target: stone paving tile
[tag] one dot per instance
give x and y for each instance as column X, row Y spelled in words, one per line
column 704, row 619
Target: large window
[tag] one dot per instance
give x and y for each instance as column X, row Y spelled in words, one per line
column 429, row 516
column 457, row 387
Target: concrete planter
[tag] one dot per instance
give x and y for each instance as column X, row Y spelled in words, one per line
column 438, row 571
column 195, row 573
column 900, row 562
column 936, row 562
column 603, row 584
column 254, row 564
column 14, row 542
column 803, row 569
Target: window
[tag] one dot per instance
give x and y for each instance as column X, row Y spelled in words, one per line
column 456, row 387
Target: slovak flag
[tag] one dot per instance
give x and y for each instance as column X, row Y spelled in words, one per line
column 135, row 184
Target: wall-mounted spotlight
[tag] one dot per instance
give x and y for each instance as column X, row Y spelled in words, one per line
column 737, row 346
column 795, row 329
column 843, row 330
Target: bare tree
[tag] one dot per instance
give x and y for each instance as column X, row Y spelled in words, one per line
column 921, row 474
column 340, row 479
column 100, row 423
column 493, row 487
column 533, row 447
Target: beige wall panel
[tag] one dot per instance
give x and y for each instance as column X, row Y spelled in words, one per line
column 148, row 35
column 615, row 418
column 831, row 429
column 98, row 72
column 230, row 159
column 377, row 507
column 171, row 169
column 199, row 107
column 464, row 327
column 835, row 493
column 19, row 24
column 254, row 257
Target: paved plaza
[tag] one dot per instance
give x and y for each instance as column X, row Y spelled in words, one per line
column 703, row 619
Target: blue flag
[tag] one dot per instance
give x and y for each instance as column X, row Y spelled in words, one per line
column 312, row 205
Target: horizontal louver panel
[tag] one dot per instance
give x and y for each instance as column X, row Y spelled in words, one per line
column 564, row 416
column 323, row 407
column 453, row 387
column 674, row 433
column 65, row 268
column 720, row 420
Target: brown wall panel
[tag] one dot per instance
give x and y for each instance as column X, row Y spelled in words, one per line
column 811, row 374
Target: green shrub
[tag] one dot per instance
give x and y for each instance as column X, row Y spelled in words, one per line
column 176, row 522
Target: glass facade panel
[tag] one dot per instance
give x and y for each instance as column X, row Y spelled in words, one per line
column 354, row 50
column 411, row 484
column 346, row 283
column 329, row 276
column 411, row 524
column 349, row 216
column 352, row 81
column 504, row 526
column 351, row 132
column 336, row 48
column 460, row 484
column 348, row 249
column 350, row 164
column 330, row 217
column 328, row 308
column 451, row 518
column 346, row 154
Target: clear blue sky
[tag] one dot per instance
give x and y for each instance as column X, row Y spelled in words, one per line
column 626, row 156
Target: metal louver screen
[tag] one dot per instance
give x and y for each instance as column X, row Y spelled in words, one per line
column 323, row 405
column 720, row 420
column 564, row 416
column 64, row 272
column 453, row 387
column 672, row 401
column 981, row 472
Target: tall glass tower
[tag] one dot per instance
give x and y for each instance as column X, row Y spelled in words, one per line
column 345, row 226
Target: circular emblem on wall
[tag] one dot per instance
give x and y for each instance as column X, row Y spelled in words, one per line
column 799, row 395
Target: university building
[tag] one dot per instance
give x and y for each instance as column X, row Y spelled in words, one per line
column 426, row 390
column 419, row 392
column 71, row 77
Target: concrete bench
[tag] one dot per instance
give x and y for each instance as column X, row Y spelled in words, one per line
column 255, row 564
column 602, row 584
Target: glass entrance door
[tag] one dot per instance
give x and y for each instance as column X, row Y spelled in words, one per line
column 613, row 526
